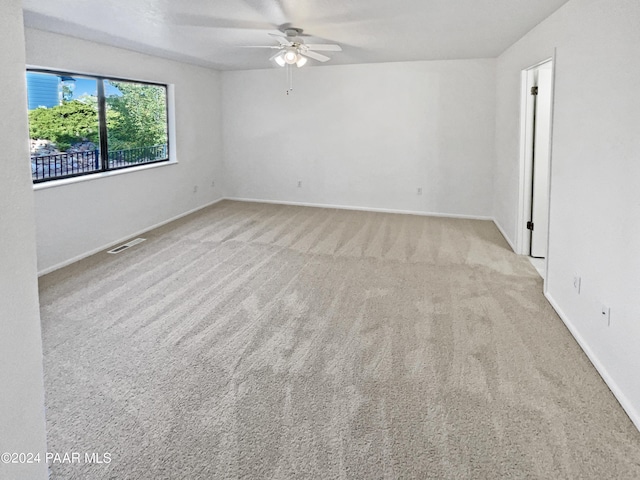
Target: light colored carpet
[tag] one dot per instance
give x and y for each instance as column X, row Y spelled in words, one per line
column 261, row 341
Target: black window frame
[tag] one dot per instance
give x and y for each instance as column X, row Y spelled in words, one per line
column 102, row 123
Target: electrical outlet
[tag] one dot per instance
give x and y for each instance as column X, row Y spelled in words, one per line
column 195, row 189
column 299, row 183
column 577, row 283
column 419, row 190
column 606, row 314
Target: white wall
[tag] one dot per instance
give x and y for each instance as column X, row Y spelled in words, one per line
column 595, row 204
column 76, row 219
column 364, row 135
column 22, row 425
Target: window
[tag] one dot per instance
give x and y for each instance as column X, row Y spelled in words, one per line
column 79, row 125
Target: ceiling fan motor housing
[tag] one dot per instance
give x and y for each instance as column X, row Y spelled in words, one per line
column 292, row 32
column 292, row 49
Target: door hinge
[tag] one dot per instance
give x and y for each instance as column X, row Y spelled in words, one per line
column 530, row 226
column 534, row 90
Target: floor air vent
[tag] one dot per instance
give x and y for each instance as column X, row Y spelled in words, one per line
column 124, row 246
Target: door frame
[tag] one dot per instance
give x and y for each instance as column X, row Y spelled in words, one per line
column 523, row 240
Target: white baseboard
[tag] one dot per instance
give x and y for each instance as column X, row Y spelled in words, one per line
column 254, row 200
column 625, row 403
column 363, row 209
column 506, row 237
column 121, row 240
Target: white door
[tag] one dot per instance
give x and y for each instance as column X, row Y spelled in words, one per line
column 541, row 162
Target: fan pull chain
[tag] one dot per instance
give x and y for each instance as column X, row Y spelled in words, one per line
column 289, row 79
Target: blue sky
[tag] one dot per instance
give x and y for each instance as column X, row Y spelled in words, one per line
column 87, row 86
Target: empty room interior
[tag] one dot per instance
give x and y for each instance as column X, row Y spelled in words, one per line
column 279, row 239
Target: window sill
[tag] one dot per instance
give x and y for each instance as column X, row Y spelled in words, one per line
column 99, row 175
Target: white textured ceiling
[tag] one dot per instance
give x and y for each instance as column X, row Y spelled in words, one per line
column 211, row 32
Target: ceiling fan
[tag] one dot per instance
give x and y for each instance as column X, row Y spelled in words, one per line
column 293, row 51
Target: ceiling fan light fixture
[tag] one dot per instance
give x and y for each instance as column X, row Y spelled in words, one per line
column 291, row 56
column 301, row 61
column 280, row 60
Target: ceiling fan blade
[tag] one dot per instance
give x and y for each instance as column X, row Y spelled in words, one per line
column 282, row 40
column 316, row 56
column 260, row 46
column 326, row 47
